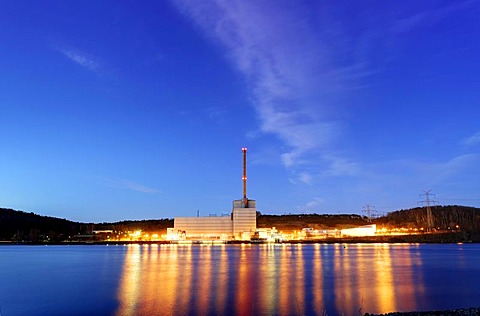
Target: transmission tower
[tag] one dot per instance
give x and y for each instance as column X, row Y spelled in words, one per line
column 428, row 202
column 369, row 210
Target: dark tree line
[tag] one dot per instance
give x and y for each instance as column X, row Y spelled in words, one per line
column 444, row 218
column 150, row 225
column 291, row 222
column 22, row 226
column 29, row 227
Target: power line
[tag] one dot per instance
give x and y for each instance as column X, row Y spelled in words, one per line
column 427, row 202
column 370, row 211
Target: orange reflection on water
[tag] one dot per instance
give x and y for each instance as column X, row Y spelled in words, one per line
column 149, row 285
column 268, row 273
column 243, row 306
column 300, row 281
column 204, row 281
column 130, row 283
column 222, row 280
column 384, row 278
column 365, row 278
column 407, row 289
column 167, row 284
column 267, row 279
column 318, row 281
column 149, row 273
column 185, row 274
column 344, row 276
column 284, row 271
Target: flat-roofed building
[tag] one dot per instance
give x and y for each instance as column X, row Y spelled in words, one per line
column 241, row 222
column 204, row 227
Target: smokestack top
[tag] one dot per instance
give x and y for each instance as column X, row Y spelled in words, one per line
column 244, row 178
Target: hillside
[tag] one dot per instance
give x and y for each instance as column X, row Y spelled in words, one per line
column 30, row 227
column 294, row 222
column 444, row 218
column 151, row 225
column 22, row 226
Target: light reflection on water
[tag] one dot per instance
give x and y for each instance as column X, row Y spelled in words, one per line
column 269, row 279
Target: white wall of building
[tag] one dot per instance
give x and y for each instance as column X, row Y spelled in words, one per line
column 204, row 227
column 244, row 218
column 367, row 230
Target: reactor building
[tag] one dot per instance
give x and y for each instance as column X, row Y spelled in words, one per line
column 241, row 223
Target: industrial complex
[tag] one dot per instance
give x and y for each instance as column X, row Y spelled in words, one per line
column 240, row 225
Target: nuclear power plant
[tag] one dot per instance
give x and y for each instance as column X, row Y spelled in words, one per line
column 241, row 224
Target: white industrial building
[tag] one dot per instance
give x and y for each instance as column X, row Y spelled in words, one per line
column 241, row 223
column 367, row 230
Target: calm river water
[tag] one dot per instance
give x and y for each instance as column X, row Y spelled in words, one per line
column 237, row 279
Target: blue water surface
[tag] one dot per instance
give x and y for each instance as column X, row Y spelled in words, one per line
column 284, row 279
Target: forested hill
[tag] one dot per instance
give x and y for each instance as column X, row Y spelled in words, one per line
column 444, row 218
column 149, row 225
column 23, row 226
column 296, row 222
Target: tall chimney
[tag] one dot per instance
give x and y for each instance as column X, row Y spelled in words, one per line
column 244, row 178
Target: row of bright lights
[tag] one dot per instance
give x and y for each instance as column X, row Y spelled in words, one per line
column 295, row 235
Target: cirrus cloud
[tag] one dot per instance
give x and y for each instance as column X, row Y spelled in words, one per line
column 472, row 140
column 291, row 68
column 80, row 58
column 129, row 185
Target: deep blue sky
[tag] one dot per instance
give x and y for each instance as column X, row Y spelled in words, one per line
column 113, row 110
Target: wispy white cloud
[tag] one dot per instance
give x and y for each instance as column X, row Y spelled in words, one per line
column 301, row 177
column 340, row 166
column 429, row 17
column 472, row 140
column 293, row 71
column 423, row 174
column 314, row 204
column 215, row 113
column 129, row 185
column 81, row 58
column 445, row 170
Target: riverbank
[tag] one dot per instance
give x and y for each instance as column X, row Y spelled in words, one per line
column 452, row 312
column 439, row 238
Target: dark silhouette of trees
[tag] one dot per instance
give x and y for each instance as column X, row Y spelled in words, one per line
column 29, row 227
column 444, row 218
column 22, row 226
column 292, row 222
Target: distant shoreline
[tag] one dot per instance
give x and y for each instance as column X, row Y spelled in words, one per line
column 445, row 238
column 449, row 312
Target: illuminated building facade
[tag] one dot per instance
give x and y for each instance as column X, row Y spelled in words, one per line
column 244, row 217
column 367, row 230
